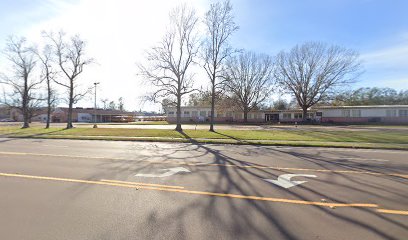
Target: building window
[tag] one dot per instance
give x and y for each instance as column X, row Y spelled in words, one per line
column 249, row 115
column 238, row 116
column 403, row 113
column 310, row 115
column 171, row 113
column 203, row 113
column 287, row 116
column 298, row 115
column 356, row 113
column 186, row 113
column 391, row 113
column 345, row 113
column 229, row 114
column 195, row 113
column 209, row 113
column 220, row 115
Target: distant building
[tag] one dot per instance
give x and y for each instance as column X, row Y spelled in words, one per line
column 325, row 114
column 79, row 114
column 4, row 111
column 362, row 114
column 39, row 115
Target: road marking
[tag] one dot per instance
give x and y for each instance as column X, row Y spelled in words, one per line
column 142, row 184
column 269, row 199
column 327, row 149
column 340, row 171
column 399, row 212
column 215, row 164
column 170, row 172
column 285, row 182
column 47, row 145
column 358, row 159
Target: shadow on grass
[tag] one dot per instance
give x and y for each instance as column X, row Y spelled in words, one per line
column 193, row 140
column 13, row 135
column 186, row 136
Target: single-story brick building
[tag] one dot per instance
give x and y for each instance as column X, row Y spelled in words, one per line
column 79, row 114
column 324, row 114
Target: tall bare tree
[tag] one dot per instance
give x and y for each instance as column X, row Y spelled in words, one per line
column 168, row 63
column 220, row 25
column 21, row 79
column 314, row 71
column 121, row 104
column 112, row 105
column 249, row 80
column 71, row 59
column 48, row 74
column 105, row 101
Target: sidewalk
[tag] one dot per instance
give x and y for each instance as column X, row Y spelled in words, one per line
column 228, row 141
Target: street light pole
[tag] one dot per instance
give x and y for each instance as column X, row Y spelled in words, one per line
column 95, row 126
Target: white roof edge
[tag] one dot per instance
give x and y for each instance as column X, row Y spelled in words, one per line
column 362, row 106
column 311, row 109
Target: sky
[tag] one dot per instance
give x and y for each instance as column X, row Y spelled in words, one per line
column 119, row 32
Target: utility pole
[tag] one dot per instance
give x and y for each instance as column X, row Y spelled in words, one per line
column 95, row 126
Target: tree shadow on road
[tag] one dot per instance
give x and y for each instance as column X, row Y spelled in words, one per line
column 232, row 169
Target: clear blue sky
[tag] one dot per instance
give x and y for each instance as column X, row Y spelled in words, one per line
column 118, row 32
column 377, row 29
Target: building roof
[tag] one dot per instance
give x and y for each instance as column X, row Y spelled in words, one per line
column 313, row 109
column 98, row 111
column 361, row 106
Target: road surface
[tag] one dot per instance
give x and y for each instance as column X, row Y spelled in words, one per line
column 74, row 189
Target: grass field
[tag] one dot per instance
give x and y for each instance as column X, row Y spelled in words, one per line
column 303, row 137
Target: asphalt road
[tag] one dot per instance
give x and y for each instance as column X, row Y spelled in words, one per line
column 74, row 189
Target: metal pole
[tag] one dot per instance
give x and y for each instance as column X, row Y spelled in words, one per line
column 95, row 126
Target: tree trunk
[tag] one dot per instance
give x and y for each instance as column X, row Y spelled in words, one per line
column 178, row 113
column 48, row 116
column 304, row 116
column 25, row 118
column 245, row 116
column 25, row 104
column 212, row 107
column 69, row 117
column 48, row 105
column 71, row 103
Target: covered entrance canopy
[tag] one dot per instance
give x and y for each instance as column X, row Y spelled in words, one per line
column 271, row 117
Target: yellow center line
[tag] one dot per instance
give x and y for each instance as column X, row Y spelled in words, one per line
column 142, row 184
column 269, row 199
column 216, row 164
column 398, row 212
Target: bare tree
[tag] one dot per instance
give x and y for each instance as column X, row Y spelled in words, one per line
column 220, row 25
column 314, row 71
column 121, row 104
column 168, row 63
column 105, row 101
column 48, row 74
column 70, row 54
column 249, row 80
column 167, row 103
column 112, row 105
column 21, row 79
column 280, row 104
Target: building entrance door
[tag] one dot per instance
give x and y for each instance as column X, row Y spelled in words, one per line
column 272, row 117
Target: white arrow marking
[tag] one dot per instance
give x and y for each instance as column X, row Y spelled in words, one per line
column 285, row 182
column 170, row 171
